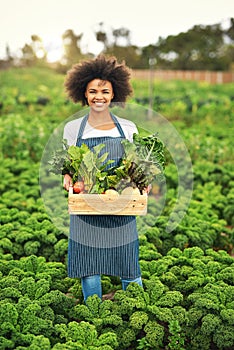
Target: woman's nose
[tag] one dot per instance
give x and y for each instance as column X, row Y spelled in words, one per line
column 99, row 95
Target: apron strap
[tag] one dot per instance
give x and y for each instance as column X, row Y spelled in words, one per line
column 85, row 119
column 118, row 125
column 82, row 126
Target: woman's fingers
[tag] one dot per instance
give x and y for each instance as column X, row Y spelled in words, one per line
column 67, row 182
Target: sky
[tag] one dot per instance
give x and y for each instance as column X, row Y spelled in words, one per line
column 147, row 20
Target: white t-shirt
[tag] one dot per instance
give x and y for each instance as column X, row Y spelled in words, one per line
column 71, row 130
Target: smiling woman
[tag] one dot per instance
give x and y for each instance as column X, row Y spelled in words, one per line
column 101, row 244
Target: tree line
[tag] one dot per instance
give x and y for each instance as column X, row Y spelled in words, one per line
column 203, row 47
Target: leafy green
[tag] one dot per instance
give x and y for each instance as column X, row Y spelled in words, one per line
column 142, row 162
column 82, row 163
column 151, row 148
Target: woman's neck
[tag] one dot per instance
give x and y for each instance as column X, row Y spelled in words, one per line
column 102, row 121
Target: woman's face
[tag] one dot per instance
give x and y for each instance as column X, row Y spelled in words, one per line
column 99, row 94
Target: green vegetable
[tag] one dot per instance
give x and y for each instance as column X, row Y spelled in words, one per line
column 87, row 164
column 83, row 335
column 143, row 160
column 82, row 163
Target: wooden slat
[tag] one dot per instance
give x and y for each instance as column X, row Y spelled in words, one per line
column 104, row 204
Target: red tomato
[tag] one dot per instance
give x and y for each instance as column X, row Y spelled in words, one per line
column 78, row 187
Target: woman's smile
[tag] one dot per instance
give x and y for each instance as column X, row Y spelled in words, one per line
column 99, row 104
column 99, row 93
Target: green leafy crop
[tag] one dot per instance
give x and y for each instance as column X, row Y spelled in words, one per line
column 142, row 161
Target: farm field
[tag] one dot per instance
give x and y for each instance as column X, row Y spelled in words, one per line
column 186, row 239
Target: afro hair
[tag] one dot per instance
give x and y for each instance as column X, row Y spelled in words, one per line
column 103, row 68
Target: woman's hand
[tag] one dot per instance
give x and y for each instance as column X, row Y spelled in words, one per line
column 148, row 189
column 67, row 181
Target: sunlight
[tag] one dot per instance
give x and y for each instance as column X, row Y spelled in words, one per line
column 54, row 48
column 54, row 55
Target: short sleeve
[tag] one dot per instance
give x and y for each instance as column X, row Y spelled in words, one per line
column 129, row 128
column 71, row 130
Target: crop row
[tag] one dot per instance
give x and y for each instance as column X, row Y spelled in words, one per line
column 187, row 303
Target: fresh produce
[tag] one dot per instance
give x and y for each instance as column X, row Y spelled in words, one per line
column 130, row 190
column 83, row 165
column 143, row 160
column 78, row 187
column 112, row 193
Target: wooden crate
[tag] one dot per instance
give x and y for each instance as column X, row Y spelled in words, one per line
column 105, row 204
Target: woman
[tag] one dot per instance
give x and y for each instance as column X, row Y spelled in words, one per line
column 101, row 244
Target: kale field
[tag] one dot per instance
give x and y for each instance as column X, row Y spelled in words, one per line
column 186, row 239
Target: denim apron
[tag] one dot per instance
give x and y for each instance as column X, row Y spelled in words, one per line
column 103, row 244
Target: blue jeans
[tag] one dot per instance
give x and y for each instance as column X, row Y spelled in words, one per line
column 92, row 285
